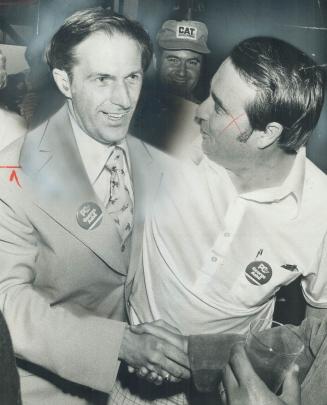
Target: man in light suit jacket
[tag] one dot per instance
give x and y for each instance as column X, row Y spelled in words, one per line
column 67, row 252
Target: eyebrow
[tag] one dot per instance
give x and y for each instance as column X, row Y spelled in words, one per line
column 217, row 101
column 171, row 55
column 109, row 76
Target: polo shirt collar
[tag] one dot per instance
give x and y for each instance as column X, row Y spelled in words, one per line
column 292, row 185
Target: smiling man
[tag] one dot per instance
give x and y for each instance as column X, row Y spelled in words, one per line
column 70, row 235
column 251, row 217
column 182, row 46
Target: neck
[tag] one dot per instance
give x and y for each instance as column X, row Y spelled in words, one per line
column 263, row 171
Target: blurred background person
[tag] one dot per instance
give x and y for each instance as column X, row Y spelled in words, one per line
column 165, row 115
column 181, row 48
column 12, row 125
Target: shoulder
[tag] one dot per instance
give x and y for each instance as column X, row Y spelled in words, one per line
column 138, row 148
column 12, row 127
column 315, row 179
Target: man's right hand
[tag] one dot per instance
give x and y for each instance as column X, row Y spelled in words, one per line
column 154, row 353
column 242, row 386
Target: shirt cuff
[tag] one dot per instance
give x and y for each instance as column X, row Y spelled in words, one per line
column 208, row 356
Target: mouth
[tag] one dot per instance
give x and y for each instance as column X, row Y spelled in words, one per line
column 181, row 82
column 115, row 118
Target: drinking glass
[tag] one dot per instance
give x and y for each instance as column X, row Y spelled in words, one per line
column 272, row 351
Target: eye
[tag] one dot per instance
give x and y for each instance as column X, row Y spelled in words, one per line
column 134, row 77
column 193, row 62
column 173, row 61
column 102, row 80
column 218, row 109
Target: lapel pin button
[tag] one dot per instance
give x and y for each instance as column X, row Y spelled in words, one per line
column 89, row 215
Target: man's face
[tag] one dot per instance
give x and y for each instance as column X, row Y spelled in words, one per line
column 228, row 138
column 105, row 85
column 180, row 70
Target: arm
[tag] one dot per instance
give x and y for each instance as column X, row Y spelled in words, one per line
column 66, row 339
column 313, row 312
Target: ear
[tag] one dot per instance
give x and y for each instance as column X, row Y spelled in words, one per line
column 62, row 81
column 270, row 135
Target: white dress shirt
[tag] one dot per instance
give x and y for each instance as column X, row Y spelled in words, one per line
column 213, row 259
column 94, row 157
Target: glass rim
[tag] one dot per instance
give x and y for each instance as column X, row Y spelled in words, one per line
column 251, row 334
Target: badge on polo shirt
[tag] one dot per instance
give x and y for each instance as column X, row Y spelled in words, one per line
column 89, row 215
column 186, row 32
column 258, row 272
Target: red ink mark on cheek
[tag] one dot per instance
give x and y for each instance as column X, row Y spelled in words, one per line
column 233, row 122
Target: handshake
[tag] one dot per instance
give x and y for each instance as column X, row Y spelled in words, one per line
column 156, row 351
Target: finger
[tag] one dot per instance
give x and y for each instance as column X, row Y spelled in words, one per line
column 167, row 326
column 131, row 369
column 291, row 393
column 159, row 380
column 241, row 366
column 157, row 328
column 142, row 372
column 222, row 393
column 174, row 339
column 152, row 377
column 137, row 329
column 175, row 370
column 177, row 355
column 230, row 382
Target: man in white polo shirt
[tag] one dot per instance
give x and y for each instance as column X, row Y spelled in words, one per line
column 252, row 217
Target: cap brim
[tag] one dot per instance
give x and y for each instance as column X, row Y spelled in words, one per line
column 177, row 45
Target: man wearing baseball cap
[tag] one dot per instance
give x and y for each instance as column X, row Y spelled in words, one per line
column 182, row 45
column 165, row 113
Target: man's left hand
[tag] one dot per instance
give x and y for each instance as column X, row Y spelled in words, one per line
column 242, row 386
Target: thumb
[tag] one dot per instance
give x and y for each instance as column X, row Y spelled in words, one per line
column 291, row 388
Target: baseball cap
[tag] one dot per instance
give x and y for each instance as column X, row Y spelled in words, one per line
column 177, row 35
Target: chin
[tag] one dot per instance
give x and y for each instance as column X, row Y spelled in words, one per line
column 113, row 136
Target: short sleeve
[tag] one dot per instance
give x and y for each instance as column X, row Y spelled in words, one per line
column 314, row 285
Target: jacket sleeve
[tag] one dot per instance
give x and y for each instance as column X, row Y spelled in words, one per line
column 65, row 339
column 208, row 355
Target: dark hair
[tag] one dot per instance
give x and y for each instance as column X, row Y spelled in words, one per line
column 81, row 24
column 290, row 88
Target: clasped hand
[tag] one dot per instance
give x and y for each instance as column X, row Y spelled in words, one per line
column 156, row 351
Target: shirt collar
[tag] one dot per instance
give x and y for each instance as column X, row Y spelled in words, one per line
column 94, row 154
column 292, row 185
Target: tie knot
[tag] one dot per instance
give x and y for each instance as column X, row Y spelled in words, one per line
column 115, row 162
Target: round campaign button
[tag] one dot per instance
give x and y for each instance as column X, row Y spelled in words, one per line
column 89, row 215
column 258, row 272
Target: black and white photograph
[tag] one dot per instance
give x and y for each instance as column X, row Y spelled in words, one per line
column 163, row 202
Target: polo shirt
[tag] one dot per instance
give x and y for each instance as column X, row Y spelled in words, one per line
column 213, row 259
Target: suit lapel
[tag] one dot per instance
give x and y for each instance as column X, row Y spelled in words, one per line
column 60, row 186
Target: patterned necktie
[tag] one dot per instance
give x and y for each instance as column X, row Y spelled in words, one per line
column 118, row 201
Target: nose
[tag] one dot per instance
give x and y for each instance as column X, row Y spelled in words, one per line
column 120, row 95
column 202, row 111
column 181, row 70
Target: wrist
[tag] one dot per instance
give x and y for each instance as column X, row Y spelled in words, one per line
column 125, row 343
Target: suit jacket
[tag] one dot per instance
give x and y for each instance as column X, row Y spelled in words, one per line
column 62, row 287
